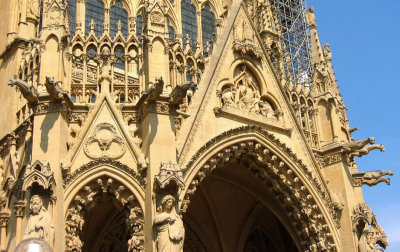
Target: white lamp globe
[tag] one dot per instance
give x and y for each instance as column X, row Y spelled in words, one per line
column 33, row 245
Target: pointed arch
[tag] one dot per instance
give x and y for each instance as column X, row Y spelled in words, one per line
column 304, row 198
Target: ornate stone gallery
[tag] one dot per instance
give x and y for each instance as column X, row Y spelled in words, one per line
column 170, row 126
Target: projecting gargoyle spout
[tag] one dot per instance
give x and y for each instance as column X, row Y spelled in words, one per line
column 179, row 92
column 360, row 148
column 155, row 90
column 372, row 178
column 54, row 89
column 28, row 91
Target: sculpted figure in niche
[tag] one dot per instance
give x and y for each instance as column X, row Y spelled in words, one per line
column 39, row 221
column 169, row 226
column 248, row 96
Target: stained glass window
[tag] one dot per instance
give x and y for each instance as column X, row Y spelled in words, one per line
column 208, row 26
column 139, row 26
column 95, row 12
column 189, row 22
column 72, row 16
column 171, row 32
column 117, row 12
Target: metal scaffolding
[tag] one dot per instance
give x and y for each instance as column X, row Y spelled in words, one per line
column 294, row 40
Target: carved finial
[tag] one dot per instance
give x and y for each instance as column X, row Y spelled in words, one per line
column 119, row 26
column 92, row 25
column 187, row 40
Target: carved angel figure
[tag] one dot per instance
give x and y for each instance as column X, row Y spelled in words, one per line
column 169, row 226
column 39, row 222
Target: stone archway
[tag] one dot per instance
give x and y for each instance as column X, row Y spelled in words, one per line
column 102, row 214
column 302, row 198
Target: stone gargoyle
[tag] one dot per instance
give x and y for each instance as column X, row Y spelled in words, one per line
column 372, row 178
column 179, row 92
column 155, row 89
column 54, row 89
column 28, row 91
column 360, row 148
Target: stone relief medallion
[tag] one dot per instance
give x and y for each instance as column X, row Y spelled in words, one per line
column 104, row 142
column 156, row 17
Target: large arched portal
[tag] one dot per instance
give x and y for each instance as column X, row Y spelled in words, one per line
column 233, row 211
column 247, row 190
column 105, row 228
column 104, row 213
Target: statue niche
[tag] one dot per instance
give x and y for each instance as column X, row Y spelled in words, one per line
column 39, row 221
column 169, row 227
column 244, row 94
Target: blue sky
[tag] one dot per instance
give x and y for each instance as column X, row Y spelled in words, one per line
column 363, row 36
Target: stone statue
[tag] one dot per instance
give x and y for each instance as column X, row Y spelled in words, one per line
column 39, row 222
column 310, row 16
column 327, row 52
column 248, row 96
column 28, row 91
column 169, row 226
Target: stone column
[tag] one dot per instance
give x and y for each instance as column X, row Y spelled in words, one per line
column 19, row 208
column 3, row 233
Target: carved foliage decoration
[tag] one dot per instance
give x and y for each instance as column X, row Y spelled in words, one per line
column 140, row 177
column 283, row 181
column 86, row 199
column 39, row 173
column 104, row 142
column 367, row 230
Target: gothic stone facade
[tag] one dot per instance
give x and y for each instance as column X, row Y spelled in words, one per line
column 161, row 125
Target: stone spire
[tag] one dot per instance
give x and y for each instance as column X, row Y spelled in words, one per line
column 316, row 50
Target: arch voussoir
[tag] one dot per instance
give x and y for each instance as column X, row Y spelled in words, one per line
column 304, row 197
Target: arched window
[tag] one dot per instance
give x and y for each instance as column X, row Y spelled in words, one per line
column 72, row 16
column 139, row 26
column 95, row 12
column 171, row 32
column 208, row 26
column 118, row 13
column 119, row 53
column 189, row 22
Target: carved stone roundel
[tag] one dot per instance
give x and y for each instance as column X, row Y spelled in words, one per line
column 156, row 17
column 104, row 142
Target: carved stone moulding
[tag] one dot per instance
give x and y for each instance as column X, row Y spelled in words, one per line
column 169, row 172
column 268, row 122
column 104, row 142
column 293, row 194
column 140, row 177
column 40, row 173
column 49, row 107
